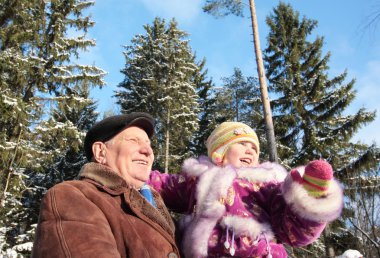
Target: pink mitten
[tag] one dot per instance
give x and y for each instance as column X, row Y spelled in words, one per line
column 316, row 179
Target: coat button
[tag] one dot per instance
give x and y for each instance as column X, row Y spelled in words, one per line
column 172, row 255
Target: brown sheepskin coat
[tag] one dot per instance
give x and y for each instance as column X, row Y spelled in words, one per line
column 100, row 216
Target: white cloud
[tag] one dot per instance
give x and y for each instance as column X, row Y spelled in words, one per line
column 183, row 10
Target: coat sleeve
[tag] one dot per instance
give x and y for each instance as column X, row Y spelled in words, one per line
column 177, row 190
column 71, row 225
column 298, row 218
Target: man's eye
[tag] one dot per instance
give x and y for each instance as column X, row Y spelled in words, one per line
column 132, row 140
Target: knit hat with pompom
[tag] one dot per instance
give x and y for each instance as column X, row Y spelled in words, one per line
column 225, row 135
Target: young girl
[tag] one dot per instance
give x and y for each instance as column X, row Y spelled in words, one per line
column 237, row 207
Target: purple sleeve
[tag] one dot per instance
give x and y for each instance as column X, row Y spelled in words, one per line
column 176, row 190
column 296, row 217
column 289, row 227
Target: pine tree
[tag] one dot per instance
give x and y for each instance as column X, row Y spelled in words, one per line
column 239, row 100
column 209, row 116
column 220, row 8
column 241, row 91
column 35, row 67
column 309, row 107
column 159, row 79
column 63, row 134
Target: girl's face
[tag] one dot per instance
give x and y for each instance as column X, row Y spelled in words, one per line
column 241, row 154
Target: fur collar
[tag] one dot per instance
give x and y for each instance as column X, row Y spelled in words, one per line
column 265, row 172
column 213, row 184
column 103, row 175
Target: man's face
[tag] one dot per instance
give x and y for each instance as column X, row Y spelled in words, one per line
column 241, row 154
column 130, row 155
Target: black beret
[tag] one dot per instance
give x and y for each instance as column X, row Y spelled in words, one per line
column 107, row 128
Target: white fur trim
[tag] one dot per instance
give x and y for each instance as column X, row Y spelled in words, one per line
column 195, row 168
column 203, row 186
column 315, row 209
column 266, row 172
column 245, row 226
column 211, row 187
column 196, row 238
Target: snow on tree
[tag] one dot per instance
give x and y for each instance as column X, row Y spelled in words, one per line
column 309, row 108
column 159, row 79
column 220, row 8
column 351, row 254
column 63, row 133
column 209, row 115
column 36, row 51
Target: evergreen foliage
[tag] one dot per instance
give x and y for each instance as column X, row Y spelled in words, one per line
column 245, row 97
column 310, row 108
column 46, row 110
column 239, row 91
column 208, row 116
column 160, row 78
column 36, row 49
column 221, row 8
column 63, row 133
column 240, row 100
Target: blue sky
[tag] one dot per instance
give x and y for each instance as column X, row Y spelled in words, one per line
column 227, row 42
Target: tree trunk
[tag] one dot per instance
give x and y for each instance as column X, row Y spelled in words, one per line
column 10, row 169
column 330, row 252
column 167, row 141
column 263, row 86
column 236, row 106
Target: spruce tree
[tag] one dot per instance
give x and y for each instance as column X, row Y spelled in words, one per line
column 209, row 116
column 221, row 8
column 63, row 134
column 241, row 91
column 36, row 52
column 310, row 108
column 159, row 79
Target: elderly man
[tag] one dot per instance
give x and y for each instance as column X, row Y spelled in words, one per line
column 104, row 214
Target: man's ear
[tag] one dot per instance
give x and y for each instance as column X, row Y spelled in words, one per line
column 99, row 151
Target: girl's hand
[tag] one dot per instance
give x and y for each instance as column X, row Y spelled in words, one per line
column 316, row 179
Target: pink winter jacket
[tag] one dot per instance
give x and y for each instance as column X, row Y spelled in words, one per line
column 247, row 212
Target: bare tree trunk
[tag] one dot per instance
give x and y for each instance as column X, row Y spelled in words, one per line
column 329, row 249
column 263, row 86
column 167, row 140
column 10, row 169
column 236, row 106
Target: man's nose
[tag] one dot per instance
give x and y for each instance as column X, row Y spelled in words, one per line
column 147, row 149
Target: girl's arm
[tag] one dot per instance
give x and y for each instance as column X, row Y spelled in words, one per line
column 177, row 190
column 301, row 207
